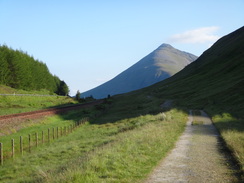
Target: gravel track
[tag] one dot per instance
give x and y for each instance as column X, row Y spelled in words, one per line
column 197, row 157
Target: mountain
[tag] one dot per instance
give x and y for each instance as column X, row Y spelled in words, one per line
column 213, row 83
column 214, row 80
column 162, row 63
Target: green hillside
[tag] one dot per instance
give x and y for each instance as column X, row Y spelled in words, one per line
column 132, row 131
column 21, row 71
column 215, row 83
column 16, row 101
column 215, row 79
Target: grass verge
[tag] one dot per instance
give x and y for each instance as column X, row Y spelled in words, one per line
column 232, row 131
column 18, row 104
column 106, row 152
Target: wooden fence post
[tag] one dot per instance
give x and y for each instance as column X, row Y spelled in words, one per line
column 29, row 139
column 48, row 135
column 61, row 131
column 53, row 134
column 57, row 132
column 12, row 141
column 1, row 153
column 21, row 145
column 42, row 137
column 36, row 139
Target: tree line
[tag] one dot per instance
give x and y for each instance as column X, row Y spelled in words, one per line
column 21, row 71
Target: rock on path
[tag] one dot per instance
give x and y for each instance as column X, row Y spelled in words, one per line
column 197, row 157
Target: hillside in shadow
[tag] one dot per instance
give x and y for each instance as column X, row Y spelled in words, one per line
column 214, row 82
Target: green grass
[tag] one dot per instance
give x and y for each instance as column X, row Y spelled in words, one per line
column 197, row 122
column 44, row 125
column 131, row 126
column 16, row 104
column 232, row 131
column 8, row 90
column 197, row 113
column 125, row 140
column 214, row 83
column 108, row 152
column 130, row 158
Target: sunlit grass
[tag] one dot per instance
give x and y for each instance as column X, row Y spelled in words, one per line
column 232, row 131
column 17, row 104
column 101, row 152
column 131, row 156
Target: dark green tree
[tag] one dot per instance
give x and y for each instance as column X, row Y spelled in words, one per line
column 77, row 96
column 63, row 89
column 4, row 70
column 21, row 71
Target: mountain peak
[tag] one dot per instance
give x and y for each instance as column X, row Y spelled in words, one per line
column 156, row 66
column 165, row 45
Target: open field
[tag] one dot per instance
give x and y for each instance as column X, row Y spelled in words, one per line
column 120, row 129
column 102, row 150
column 130, row 133
column 11, row 104
column 232, row 131
column 124, row 140
column 18, row 104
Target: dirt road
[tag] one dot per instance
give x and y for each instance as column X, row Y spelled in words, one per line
column 197, row 157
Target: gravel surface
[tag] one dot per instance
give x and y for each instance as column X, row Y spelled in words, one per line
column 197, row 157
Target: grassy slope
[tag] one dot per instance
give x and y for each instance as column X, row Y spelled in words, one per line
column 215, row 83
column 8, row 90
column 134, row 118
column 100, row 151
column 216, row 78
column 122, row 144
column 17, row 104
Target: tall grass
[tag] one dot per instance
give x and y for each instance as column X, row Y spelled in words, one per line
column 46, row 123
column 10, row 104
column 232, row 131
column 17, row 104
column 107, row 152
column 131, row 157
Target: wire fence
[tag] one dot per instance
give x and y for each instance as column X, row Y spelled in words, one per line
column 35, row 95
column 28, row 143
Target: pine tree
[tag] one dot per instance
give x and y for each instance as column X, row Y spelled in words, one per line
column 21, row 71
column 77, row 96
column 4, row 71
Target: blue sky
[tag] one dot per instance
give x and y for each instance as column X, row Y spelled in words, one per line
column 88, row 42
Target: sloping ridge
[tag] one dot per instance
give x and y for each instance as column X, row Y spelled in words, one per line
column 215, row 78
column 162, row 63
